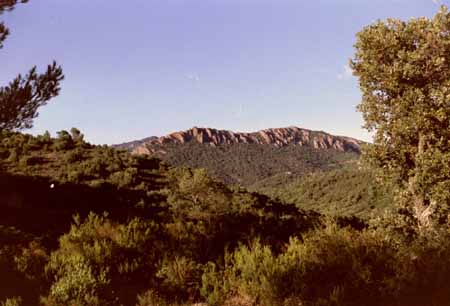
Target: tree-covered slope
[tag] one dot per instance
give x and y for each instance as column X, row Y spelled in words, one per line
column 344, row 191
column 324, row 180
column 149, row 215
column 90, row 225
column 249, row 164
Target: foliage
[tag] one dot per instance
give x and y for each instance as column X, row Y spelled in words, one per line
column 345, row 191
column 20, row 100
column 21, row 270
column 216, row 284
column 150, row 298
column 404, row 77
column 175, row 236
column 97, row 258
column 31, row 260
column 15, row 301
column 6, row 5
column 336, row 266
column 194, row 216
column 252, row 165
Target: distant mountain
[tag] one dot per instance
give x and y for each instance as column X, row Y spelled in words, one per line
column 268, row 158
column 131, row 145
column 278, row 137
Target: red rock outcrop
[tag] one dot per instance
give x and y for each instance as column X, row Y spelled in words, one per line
column 278, row 137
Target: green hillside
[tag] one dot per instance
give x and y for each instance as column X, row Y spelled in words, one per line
column 344, row 191
column 137, row 208
column 250, row 164
column 327, row 181
column 90, row 225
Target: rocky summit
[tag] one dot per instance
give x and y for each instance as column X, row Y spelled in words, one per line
column 278, row 137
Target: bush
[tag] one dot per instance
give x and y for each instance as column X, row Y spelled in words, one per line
column 124, row 178
column 74, row 156
column 4, row 153
column 31, row 261
column 336, row 266
column 181, row 277
column 64, row 141
column 13, row 156
column 256, row 270
column 150, row 298
column 97, row 257
column 216, row 283
column 15, row 301
column 422, row 270
column 26, row 161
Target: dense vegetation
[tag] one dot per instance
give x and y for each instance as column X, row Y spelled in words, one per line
column 344, row 191
column 134, row 216
column 98, row 226
column 328, row 181
column 253, row 164
column 404, row 75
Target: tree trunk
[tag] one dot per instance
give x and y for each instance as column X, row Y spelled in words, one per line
column 423, row 209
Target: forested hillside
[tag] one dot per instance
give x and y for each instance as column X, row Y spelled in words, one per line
column 131, row 205
column 344, row 191
column 249, row 164
column 311, row 169
column 325, row 180
column 92, row 225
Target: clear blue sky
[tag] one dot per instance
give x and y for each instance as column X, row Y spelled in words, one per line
column 140, row 68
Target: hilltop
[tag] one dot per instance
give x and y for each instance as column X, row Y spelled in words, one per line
column 278, row 137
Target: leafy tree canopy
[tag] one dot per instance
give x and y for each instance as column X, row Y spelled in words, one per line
column 404, row 74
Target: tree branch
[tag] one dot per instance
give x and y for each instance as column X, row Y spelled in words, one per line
column 20, row 100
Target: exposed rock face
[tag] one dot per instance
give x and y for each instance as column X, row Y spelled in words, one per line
column 278, row 137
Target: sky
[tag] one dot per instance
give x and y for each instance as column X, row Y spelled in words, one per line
column 140, row 68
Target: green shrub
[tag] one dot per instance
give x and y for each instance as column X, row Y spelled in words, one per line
column 150, row 298
column 98, row 256
column 13, row 156
column 77, row 283
column 422, row 270
column 332, row 266
column 15, row 301
column 74, row 175
column 337, row 266
column 257, row 270
column 216, row 284
column 26, row 161
column 64, row 141
column 4, row 153
column 74, row 156
column 31, row 261
column 180, row 277
column 124, row 178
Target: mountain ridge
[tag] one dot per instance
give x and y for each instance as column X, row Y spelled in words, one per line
column 278, row 137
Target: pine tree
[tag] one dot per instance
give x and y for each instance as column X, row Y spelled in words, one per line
column 21, row 98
